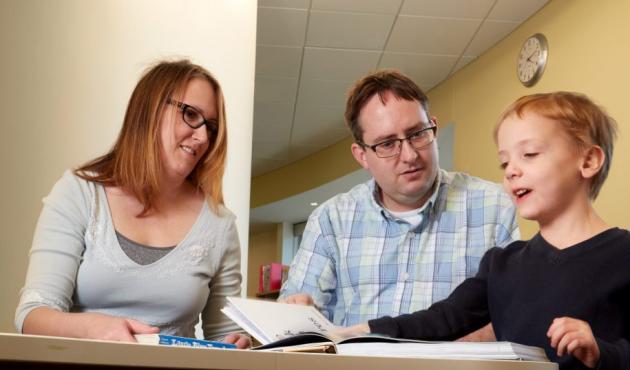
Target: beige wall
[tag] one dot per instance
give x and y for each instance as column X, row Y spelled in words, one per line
column 66, row 73
column 588, row 52
column 264, row 247
column 308, row 173
column 589, row 49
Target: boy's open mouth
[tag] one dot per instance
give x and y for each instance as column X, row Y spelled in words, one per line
column 519, row 193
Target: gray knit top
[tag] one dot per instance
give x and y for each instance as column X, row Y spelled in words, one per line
column 77, row 265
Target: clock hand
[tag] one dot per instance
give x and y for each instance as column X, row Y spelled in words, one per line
column 529, row 58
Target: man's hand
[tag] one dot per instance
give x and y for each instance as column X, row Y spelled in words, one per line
column 485, row 334
column 574, row 337
column 303, row 299
column 241, row 340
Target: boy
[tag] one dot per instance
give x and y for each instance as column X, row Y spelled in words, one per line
column 566, row 290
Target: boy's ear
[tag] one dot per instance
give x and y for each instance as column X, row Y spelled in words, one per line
column 592, row 161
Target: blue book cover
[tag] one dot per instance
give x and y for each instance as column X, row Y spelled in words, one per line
column 172, row 340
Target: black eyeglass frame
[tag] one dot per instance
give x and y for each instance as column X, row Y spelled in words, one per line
column 399, row 141
column 211, row 126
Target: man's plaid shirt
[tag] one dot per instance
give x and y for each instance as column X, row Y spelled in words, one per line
column 359, row 262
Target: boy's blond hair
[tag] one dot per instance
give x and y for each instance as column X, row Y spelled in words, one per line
column 585, row 122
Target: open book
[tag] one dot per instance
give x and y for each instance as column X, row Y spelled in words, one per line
column 269, row 321
column 288, row 327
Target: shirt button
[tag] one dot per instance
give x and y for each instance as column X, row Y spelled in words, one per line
column 404, row 276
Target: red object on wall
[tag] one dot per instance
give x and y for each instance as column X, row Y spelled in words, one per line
column 263, row 279
column 275, row 276
column 271, row 276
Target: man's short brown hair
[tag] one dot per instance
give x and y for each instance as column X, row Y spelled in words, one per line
column 380, row 82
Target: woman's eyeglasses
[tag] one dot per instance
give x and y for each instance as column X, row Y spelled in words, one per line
column 193, row 118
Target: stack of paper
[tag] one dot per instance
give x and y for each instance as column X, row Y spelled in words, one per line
column 469, row 350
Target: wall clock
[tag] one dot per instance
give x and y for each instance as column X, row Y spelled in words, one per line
column 532, row 59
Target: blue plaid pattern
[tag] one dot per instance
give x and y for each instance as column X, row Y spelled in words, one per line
column 360, row 262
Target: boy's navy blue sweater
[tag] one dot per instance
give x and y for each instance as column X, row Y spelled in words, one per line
column 523, row 287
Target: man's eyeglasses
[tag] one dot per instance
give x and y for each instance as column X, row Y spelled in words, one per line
column 193, row 118
column 392, row 147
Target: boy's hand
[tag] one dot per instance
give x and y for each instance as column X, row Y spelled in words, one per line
column 485, row 334
column 574, row 337
column 341, row 332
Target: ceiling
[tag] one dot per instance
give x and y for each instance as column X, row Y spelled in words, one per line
column 309, row 52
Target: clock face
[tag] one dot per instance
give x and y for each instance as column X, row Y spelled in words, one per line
column 532, row 59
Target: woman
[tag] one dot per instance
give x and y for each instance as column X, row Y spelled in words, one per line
column 138, row 241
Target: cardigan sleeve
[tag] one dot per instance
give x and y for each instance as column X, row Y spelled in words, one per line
column 225, row 283
column 57, row 248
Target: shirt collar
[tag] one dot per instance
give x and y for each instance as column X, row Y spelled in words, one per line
column 428, row 206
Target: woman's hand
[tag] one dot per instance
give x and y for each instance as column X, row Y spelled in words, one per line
column 241, row 340
column 106, row 327
column 574, row 337
column 89, row 325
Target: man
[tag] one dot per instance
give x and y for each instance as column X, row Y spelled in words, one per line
column 410, row 235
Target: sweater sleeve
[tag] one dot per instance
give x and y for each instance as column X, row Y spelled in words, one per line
column 463, row 311
column 615, row 355
column 225, row 283
column 58, row 245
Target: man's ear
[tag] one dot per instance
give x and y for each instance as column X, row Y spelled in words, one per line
column 434, row 121
column 358, row 152
column 592, row 161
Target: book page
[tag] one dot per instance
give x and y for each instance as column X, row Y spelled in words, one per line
column 468, row 350
column 269, row 321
